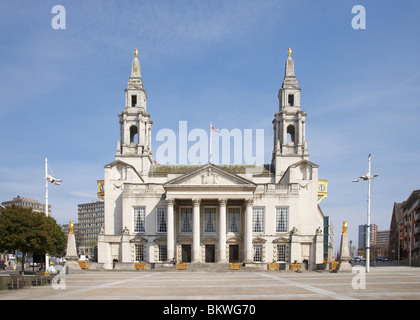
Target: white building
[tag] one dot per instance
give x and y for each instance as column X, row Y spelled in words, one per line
column 211, row 213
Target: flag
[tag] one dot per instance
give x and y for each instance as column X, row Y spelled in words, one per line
column 215, row 130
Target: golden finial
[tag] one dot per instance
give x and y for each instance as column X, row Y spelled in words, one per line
column 136, row 53
column 289, row 53
column 345, row 227
column 71, row 227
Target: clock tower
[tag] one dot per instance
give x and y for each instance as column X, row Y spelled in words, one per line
column 289, row 123
column 135, row 143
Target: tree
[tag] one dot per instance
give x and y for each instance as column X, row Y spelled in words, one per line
column 30, row 232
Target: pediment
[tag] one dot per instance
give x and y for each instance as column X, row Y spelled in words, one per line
column 138, row 240
column 119, row 164
column 281, row 239
column 207, row 176
column 258, row 240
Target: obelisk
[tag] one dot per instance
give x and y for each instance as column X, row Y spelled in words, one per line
column 71, row 253
column 344, row 265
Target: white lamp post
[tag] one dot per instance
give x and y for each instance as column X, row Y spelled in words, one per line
column 56, row 182
column 368, row 176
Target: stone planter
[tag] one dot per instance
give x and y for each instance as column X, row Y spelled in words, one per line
column 273, row 266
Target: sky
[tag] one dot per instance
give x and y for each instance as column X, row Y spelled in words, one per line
column 211, row 61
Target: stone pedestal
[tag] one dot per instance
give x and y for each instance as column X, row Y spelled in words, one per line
column 344, row 265
column 71, row 253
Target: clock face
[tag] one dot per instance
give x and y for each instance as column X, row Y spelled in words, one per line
column 321, row 187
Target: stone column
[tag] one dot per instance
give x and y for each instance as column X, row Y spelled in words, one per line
column 196, row 256
column 248, row 230
column 222, row 230
column 170, row 234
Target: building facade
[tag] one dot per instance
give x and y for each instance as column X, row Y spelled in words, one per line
column 27, row 203
column 211, row 213
column 410, row 234
column 395, row 232
column 90, row 222
column 328, row 239
column 362, row 236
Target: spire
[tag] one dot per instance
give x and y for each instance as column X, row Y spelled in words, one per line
column 289, row 74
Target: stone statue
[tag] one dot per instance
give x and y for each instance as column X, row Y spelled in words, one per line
column 71, row 227
column 135, row 69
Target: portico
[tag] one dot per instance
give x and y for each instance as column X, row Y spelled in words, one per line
column 219, row 205
column 212, row 223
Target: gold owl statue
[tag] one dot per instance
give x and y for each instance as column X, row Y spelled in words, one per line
column 345, row 226
column 71, row 227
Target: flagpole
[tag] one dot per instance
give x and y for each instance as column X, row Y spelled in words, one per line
column 210, row 146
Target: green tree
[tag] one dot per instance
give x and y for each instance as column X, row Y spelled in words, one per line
column 30, row 232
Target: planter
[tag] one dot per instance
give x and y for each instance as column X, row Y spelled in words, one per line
column 181, row 266
column 333, row 265
column 273, row 266
column 295, row 266
column 234, row 266
column 83, row 264
column 140, row 266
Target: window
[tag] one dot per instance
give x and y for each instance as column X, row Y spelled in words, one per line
column 163, row 254
column 139, row 252
column 133, row 134
column 209, row 219
column 282, row 214
column 258, row 253
column 234, row 220
column 281, row 253
column 186, row 219
column 133, row 100
column 161, row 220
column 258, row 219
column 291, row 100
column 291, row 134
column 139, row 215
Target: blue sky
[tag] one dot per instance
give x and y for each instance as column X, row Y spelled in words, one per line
column 220, row 61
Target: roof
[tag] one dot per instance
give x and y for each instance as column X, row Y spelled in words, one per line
column 414, row 196
column 231, row 168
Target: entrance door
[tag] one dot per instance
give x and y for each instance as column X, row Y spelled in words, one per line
column 210, row 253
column 186, row 253
column 233, row 253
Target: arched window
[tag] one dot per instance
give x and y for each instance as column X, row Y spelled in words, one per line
column 291, row 134
column 133, row 134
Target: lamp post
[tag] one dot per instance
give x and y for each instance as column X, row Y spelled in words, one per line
column 367, row 177
column 53, row 181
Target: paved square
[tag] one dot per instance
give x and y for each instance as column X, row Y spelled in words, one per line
column 393, row 282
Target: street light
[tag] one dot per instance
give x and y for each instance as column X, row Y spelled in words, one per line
column 55, row 181
column 367, row 177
